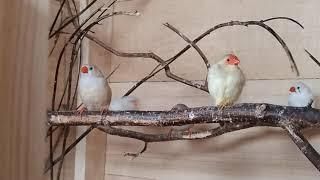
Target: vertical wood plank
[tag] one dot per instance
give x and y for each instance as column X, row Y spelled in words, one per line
column 97, row 141
column 90, row 153
column 23, row 76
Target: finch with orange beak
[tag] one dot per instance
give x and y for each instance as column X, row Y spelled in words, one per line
column 94, row 89
column 95, row 92
column 225, row 80
column 300, row 95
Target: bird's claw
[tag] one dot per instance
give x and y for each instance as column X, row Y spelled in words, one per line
column 103, row 109
column 80, row 111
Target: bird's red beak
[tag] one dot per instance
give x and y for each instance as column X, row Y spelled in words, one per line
column 292, row 89
column 233, row 60
column 84, row 69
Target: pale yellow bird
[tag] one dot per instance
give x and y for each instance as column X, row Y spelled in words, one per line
column 225, row 81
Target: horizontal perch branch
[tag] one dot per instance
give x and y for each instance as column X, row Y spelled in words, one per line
column 234, row 118
column 266, row 114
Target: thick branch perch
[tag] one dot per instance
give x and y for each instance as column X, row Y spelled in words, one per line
column 266, row 114
column 240, row 116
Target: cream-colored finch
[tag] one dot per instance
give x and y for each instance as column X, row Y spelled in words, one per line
column 95, row 92
column 225, row 81
column 94, row 89
column 300, row 95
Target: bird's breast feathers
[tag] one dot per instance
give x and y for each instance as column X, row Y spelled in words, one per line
column 94, row 92
column 225, row 83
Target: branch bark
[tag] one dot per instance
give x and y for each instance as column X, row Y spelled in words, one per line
column 303, row 144
column 266, row 114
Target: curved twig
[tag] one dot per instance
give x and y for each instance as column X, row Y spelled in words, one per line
column 312, row 57
column 285, row 18
column 134, row 155
column 256, row 23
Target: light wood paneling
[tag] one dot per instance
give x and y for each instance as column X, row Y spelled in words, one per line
column 257, row 153
column 261, row 55
column 23, row 71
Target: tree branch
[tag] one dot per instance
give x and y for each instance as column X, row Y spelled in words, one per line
column 303, row 144
column 266, row 114
column 312, row 57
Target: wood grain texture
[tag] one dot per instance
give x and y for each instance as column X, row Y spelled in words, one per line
column 259, row 153
column 23, row 69
column 96, row 142
column 255, row 47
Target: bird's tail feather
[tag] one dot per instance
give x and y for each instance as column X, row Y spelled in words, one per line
column 125, row 103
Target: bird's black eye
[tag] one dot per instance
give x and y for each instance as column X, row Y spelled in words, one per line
column 298, row 88
column 91, row 68
column 228, row 60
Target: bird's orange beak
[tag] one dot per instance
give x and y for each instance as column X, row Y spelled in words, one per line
column 84, row 69
column 233, row 60
column 292, row 89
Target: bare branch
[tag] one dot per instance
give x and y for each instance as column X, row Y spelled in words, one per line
column 285, row 18
column 69, row 148
column 134, row 155
column 303, row 144
column 266, row 114
column 71, row 19
column 312, row 57
column 56, row 17
column 196, row 47
column 256, row 23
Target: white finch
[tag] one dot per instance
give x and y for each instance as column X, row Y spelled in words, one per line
column 94, row 89
column 300, row 95
column 180, row 107
column 225, row 80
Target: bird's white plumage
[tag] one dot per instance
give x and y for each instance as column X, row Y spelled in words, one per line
column 126, row 103
column 225, row 82
column 302, row 96
column 94, row 90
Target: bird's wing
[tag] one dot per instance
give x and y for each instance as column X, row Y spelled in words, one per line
column 216, row 82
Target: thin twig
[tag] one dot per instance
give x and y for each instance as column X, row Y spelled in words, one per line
column 285, row 18
column 113, row 71
column 71, row 19
column 70, row 147
column 196, row 47
column 134, row 155
column 56, row 17
column 312, row 57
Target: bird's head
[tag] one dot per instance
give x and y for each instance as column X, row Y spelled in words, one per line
column 230, row 60
column 299, row 88
column 90, row 70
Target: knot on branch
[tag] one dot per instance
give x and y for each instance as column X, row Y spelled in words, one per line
column 260, row 111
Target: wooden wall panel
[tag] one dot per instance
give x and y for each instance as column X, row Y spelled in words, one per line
column 23, row 76
column 258, row 153
column 261, row 55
